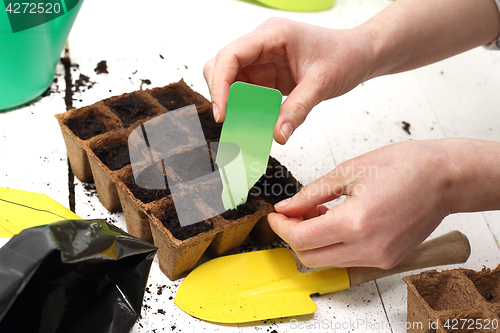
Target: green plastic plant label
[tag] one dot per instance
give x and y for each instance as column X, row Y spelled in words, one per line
column 246, row 138
column 25, row 15
column 170, row 152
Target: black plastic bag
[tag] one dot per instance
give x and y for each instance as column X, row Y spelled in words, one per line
column 73, row 276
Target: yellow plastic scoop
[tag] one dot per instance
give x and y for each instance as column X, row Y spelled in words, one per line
column 21, row 210
column 266, row 284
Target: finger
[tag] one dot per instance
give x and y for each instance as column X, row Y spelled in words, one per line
column 331, row 255
column 228, row 62
column 334, row 255
column 351, row 255
column 296, row 107
column 320, row 210
column 317, row 232
column 208, row 69
column 324, row 189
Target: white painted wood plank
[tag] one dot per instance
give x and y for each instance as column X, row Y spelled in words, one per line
column 493, row 220
column 463, row 92
column 371, row 116
column 307, row 152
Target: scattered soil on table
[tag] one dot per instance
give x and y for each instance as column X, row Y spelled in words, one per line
column 90, row 189
column 143, row 194
column 114, row 157
column 160, row 289
column 170, row 100
column 406, row 127
column 83, row 83
column 211, row 129
column 68, row 96
column 171, row 222
column 86, row 127
column 102, row 67
column 131, row 109
column 274, row 186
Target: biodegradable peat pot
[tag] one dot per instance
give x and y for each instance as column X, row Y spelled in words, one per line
column 80, row 125
column 97, row 141
column 180, row 248
column 108, row 154
column 459, row 300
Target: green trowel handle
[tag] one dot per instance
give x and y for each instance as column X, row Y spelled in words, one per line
column 450, row 248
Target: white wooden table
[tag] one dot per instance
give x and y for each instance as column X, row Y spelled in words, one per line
column 456, row 97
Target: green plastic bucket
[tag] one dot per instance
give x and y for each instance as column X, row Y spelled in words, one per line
column 32, row 37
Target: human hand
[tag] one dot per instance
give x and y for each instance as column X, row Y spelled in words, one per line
column 305, row 62
column 396, row 196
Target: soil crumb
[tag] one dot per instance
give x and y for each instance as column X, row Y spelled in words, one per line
column 83, row 83
column 406, row 127
column 102, row 67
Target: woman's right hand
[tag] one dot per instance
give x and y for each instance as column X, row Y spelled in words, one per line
column 306, row 62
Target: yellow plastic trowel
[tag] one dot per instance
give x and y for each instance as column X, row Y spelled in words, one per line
column 266, row 284
column 21, row 210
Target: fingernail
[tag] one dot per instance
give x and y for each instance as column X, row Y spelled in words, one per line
column 216, row 112
column 283, row 203
column 286, row 131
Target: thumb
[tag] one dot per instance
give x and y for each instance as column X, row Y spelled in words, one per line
column 322, row 190
column 295, row 109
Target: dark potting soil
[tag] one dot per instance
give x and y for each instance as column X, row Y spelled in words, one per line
column 170, row 100
column 83, row 83
column 211, row 129
column 86, row 127
column 248, row 208
column 171, row 222
column 274, row 185
column 143, row 194
column 114, row 157
column 406, row 127
column 131, row 109
column 102, row 67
